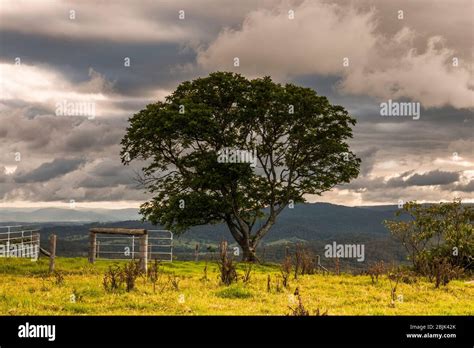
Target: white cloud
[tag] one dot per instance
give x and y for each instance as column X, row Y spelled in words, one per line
column 321, row 35
column 45, row 87
column 314, row 42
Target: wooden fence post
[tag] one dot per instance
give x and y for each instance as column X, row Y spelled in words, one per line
column 196, row 253
column 52, row 250
column 92, row 246
column 144, row 253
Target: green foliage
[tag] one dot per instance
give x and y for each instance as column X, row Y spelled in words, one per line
column 234, row 291
column 299, row 139
column 438, row 237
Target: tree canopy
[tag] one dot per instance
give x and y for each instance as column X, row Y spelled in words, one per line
column 296, row 138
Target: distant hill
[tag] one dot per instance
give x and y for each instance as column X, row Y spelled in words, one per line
column 304, row 221
column 67, row 215
column 315, row 224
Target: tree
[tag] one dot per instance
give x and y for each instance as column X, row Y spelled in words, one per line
column 436, row 235
column 295, row 139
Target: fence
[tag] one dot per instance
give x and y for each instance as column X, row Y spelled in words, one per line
column 19, row 241
column 122, row 247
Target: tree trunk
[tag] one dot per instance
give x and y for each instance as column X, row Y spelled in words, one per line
column 249, row 251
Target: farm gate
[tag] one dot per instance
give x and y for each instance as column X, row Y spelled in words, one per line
column 130, row 244
column 19, row 241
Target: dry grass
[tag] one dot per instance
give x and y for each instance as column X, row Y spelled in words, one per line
column 24, row 290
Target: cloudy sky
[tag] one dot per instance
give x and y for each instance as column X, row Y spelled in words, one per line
column 359, row 54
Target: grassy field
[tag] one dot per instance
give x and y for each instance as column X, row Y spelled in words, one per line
column 26, row 289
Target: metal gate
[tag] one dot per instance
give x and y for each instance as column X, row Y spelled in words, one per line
column 122, row 247
column 19, row 241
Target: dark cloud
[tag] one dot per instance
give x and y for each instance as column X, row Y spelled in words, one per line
column 469, row 187
column 435, row 177
column 152, row 65
column 29, row 126
column 51, row 170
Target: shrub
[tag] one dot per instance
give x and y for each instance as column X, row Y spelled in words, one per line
column 285, row 270
column 394, row 276
column 112, row 279
column 304, row 261
column 174, row 281
column 204, row 277
column 154, row 273
column 227, row 267
column 247, row 272
column 376, row 270
column 58, row 278
column 130, row 273
column 115, row 277
column 443, row 271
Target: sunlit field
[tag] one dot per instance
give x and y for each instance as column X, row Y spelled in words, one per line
column 27, row 289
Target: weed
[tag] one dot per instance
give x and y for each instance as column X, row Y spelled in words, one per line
column 130, row 273
column 174, row 281
column 227, row 267
column 285, row 270
column 154, row 273
column 376, row 270
column 304, row 261
column 204, row 277
column 247, row 272
column 112, row 279
column 58, row 278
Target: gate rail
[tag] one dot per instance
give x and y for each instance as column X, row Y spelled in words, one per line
column 19, row 241
column 124, row 247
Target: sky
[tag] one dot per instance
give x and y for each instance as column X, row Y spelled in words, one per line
column 114, row 57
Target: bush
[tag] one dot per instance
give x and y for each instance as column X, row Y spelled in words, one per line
column 376, row 270
column 442, row 271
column 285, row 270
column 58, row 278
column 130, row 273
column 112, row 279
column 115, row 277
column 305, row 262
column 247, row 272
column 154, row 273
column 227, row 267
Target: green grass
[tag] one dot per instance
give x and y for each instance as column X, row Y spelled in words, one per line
column 27, row 289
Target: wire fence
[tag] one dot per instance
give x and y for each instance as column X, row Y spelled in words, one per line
column 160, row 246
column 19, row 241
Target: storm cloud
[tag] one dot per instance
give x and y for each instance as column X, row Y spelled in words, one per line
column 49, row 171
column 46, row 157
